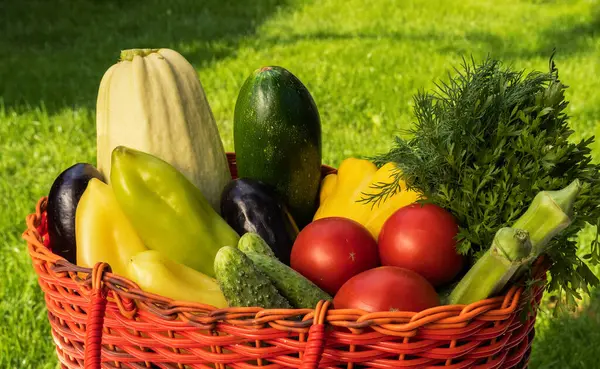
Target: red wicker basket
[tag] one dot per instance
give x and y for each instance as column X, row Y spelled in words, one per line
column 99, row 319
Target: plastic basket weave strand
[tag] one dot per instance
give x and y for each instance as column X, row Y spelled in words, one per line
column 98, row 318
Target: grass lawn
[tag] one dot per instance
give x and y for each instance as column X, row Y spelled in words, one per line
column 361, row 60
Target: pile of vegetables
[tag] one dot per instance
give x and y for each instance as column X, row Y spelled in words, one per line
column 483, row 145
column 486, row 184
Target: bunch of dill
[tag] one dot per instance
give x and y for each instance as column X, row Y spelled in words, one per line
column 484, row 144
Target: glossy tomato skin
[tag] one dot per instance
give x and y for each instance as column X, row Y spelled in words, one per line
column 422, row 238
column 387, row 288
column 329, row 251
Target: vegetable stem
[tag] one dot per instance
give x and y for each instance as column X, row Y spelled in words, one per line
column 565, row 198
column 510, row 249
column 548, row 215
column 513, row 243
column 129, row 54
column 515, row 248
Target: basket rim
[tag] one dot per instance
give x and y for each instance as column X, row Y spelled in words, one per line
column 131, row 299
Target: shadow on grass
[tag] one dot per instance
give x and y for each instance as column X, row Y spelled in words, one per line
column 569, row 341
column 54, row 53
column 569, row 35
column 50, row 50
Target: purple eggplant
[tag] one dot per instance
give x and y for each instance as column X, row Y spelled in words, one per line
column 62, row 203
column 249, row 205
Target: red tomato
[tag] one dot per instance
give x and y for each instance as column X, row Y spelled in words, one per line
column 329, row 251
column 387, row 288
column 422, row 238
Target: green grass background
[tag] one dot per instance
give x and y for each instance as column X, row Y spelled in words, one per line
column 362, row 61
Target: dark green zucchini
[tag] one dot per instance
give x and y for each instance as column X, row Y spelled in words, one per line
column 277, row 138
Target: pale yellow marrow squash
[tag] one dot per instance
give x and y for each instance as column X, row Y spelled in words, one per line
column 152, row 100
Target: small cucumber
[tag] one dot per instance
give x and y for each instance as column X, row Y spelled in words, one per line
column 253, row 242
column 301, row 292
column 243, row 284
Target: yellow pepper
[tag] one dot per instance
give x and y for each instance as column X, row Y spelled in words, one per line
column 340, row 194
column 156, row 273
column 102, row 231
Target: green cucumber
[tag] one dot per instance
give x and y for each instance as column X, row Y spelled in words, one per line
column 253, row 242
column 301, row 292
column 243, row 284
column 277, row 138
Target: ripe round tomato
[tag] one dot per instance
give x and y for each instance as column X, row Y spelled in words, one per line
column 387, row 288
column 422, row 238
column 329, row 251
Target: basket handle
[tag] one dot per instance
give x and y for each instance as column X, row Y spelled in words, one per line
column 316, row 337
column 95, row 319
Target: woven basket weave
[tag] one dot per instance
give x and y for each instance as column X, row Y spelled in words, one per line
column 102, row 320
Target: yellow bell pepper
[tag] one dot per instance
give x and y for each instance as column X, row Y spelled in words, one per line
column 340, row 194
column 156, row 273
column 102, row 231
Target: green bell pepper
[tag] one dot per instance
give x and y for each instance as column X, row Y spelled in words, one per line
column 169, row 213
